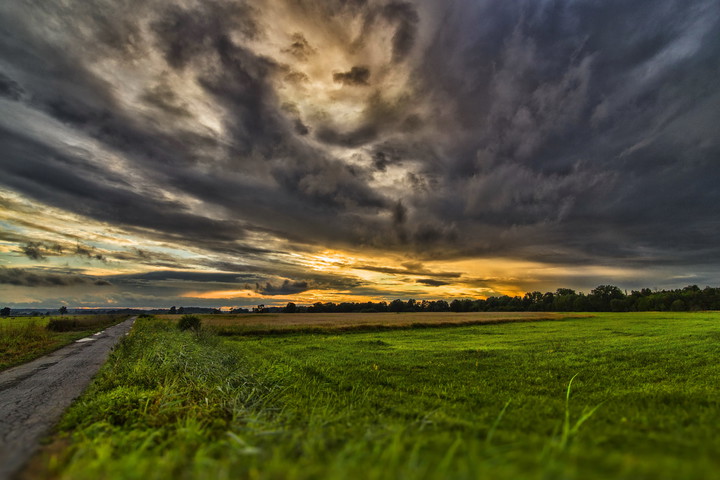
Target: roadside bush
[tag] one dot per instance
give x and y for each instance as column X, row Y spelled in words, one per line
column 189, row 322
column 63, row 325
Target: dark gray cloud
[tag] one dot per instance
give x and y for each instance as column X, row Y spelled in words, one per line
column 300, row 48
column 162, row 96
column 10, row 88
column 405, row 16
column 183, row 34
column 431, row 282
column 409, row 269
column 357, row 75
column 28, row 278
column 151, row 278
column 573, row 133
column 40, row 250
column 286, row 288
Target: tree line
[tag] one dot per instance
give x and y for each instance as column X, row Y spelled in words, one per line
column 604, row 298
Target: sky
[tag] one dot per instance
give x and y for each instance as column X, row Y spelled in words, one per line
column 233, row 153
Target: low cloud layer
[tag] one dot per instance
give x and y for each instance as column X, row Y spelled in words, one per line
column 25, row 278
column 574, row 134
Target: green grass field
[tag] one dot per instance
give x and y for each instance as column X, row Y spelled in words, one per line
column 25, row 338
column 486, row 401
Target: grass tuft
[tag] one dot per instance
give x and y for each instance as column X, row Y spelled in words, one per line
column 189, row 322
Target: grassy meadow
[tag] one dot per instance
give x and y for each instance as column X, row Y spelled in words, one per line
column 477, row 401
column 25, row 338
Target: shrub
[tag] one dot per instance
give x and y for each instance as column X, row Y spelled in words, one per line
column 64, row 325
column 189, row 322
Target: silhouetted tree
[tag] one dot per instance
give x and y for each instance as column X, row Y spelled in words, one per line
column 396, row 306
column 290, row 308
column 5, row 312
column 533, row 301
column 601, row 296
column 62, row 310
column 173, row 310
column 564, row 300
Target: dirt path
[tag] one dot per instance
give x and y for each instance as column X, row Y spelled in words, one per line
column 33, row 396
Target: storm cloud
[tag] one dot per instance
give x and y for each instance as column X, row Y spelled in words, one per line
column 572, row 134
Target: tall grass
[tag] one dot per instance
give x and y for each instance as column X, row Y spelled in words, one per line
column 165, row 398
column 19, row 339
column 80, row 323
column 14, row 336
column 22, row 339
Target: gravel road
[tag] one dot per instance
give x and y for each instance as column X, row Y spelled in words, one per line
column 33, row 396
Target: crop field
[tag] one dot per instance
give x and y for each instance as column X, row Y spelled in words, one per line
column 25, row 338
column 248, row 324
column 630, row 396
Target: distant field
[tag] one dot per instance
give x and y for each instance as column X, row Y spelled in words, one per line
column 310, row 322
column 25, row 338
column 485, row 401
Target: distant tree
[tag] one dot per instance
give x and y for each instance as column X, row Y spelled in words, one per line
column 581, row 303
column 547, row 301
column 290, row 308
column 5, row 312
column 533, row 301
column 260, row 309
column 181, row 310
column 618, row 305
column 216, row 311
column 564, row 300
column 645, row 303
column 439, row 306
column 173, row 310
column 678, row 306
column 62, row 310
column 396, row 305
column 456, row 306
column 602, row 295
